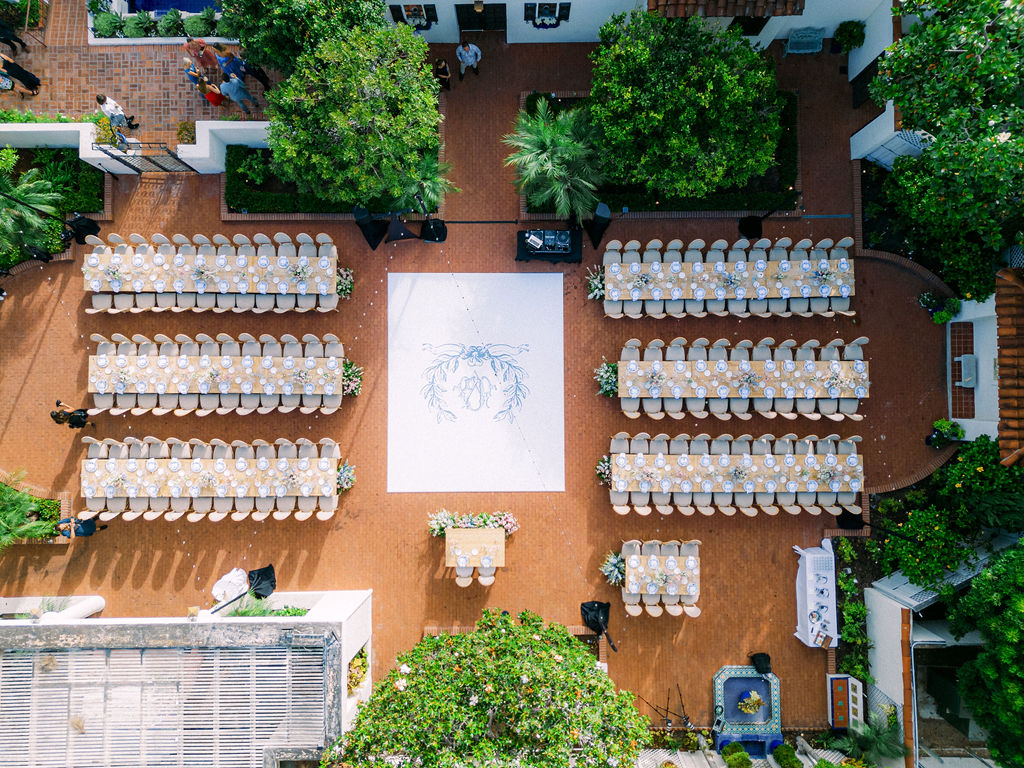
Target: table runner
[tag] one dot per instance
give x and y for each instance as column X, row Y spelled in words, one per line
column 664, row 575
column 208, row 273
column 755, row 279
column 710, row 473
column 742, row 378
column 258, row 478
column 216, row 374
column 474, row 547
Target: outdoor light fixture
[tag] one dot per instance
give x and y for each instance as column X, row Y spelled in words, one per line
column 478, row 6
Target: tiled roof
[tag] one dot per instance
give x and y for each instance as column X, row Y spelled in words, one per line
column 672, row 8
column 1010, row 319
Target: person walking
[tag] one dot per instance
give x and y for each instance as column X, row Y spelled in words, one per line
column 9, row 36
column 81, row 527
column 210, row 92
column 191, row 71
column 115, row 112
column 468, row 55
column 257, row 72
column 7, row 83
column 233, row 87
column 442, row 73
column 75, row 419
column 15, row 71
column 200, row 52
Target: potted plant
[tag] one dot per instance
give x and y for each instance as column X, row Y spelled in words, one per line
column 614, row 568
column 595, row 282
column 942, row 309
column 848, row 35
column 607, row 377
column 603, row 470
column 750, row 702
column 943, row 433
column 346, row 477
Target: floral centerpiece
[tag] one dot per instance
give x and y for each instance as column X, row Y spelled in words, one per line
column 114, row 274
column 750, row 379
column 823, row 275
column 203, row 272
column 351, row 378
column 614, row 568
column 302, row 376
column 123, row 378
column 604, row 470
column 595, row 282
column 346, row 477
column 750, row 703
column 739, row 474
column 642, row 280
column 730, row 280
column 656, row 379
column 301, row 273
column 344, row 282
column 607, row 377
column 827, row 474
column 442, row 520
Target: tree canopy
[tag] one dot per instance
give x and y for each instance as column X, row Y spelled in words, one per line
column 682, row 107
column 19, row 224
column 354, row 120
column 508, row 693
column 956, row 75
column 992, row 684
column 274, row 33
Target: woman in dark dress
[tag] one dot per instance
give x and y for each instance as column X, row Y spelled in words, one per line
column 16, row 72
column 442, row 73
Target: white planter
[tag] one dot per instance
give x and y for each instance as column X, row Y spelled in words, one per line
column 93, row 40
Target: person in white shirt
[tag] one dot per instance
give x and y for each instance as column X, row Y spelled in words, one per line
column 469, row 56
column 115, row 113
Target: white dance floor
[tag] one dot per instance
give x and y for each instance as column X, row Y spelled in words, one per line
column 475, row 392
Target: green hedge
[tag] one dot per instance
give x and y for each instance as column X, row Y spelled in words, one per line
column 786, row 757
column 169, row 24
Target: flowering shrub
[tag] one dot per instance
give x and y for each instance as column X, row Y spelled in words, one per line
column 595, row 282
column 614, row 568
column 939, row 540
column 604, row 470
column 346, row 477
column 607, row 377
column 442, row 520
column 351, row 378
column 508, row 693
column 345, row 282
column 976, row 469
column 357, row 669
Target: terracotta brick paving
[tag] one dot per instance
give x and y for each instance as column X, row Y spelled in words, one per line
column 379, row 540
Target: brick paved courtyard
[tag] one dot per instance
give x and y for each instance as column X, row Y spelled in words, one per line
column 379, row 540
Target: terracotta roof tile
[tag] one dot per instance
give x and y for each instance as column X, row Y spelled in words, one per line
column 674, row 8
column 1010, row 324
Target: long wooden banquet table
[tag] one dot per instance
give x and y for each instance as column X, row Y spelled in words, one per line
column 744, row 378
column 749, row 279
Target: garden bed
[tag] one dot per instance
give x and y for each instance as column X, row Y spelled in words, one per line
column 109, row 24
column 12, row 512
column 776, row 190
column 81, row 185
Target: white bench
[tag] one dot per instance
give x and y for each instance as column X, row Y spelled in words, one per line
column 968, row 371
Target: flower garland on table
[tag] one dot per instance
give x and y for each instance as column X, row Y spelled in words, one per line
column 346, row 477
column 442, row 520
column 595, row 282
column 344, row 282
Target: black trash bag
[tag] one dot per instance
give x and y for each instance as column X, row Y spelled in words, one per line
column 762, row 663
column 595, row 616
column 263, row 581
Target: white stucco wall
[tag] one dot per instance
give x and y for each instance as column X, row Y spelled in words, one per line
column 986, row 391
column 877, row 37
column 885, row 659
column 820, row 13
column 212, row 138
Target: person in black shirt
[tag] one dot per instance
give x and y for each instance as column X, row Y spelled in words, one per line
column 75, row 419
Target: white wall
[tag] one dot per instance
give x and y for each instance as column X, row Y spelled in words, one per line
column 212, row 138
column 885, row 659
column 819, row 13
column 585, row 19
column 986, row 390
column 877, row 37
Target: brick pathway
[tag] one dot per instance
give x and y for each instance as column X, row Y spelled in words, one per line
column 379, row 540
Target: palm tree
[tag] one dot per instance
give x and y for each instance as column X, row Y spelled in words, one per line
column 20, row 224
column 555, row 161
column 874, row 741
column 16, row 511
column 430, row 181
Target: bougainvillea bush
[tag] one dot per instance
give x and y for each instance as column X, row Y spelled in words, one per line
column 509, row 693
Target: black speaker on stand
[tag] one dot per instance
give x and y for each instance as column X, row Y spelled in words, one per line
column 598, row 225
column 373, row 229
